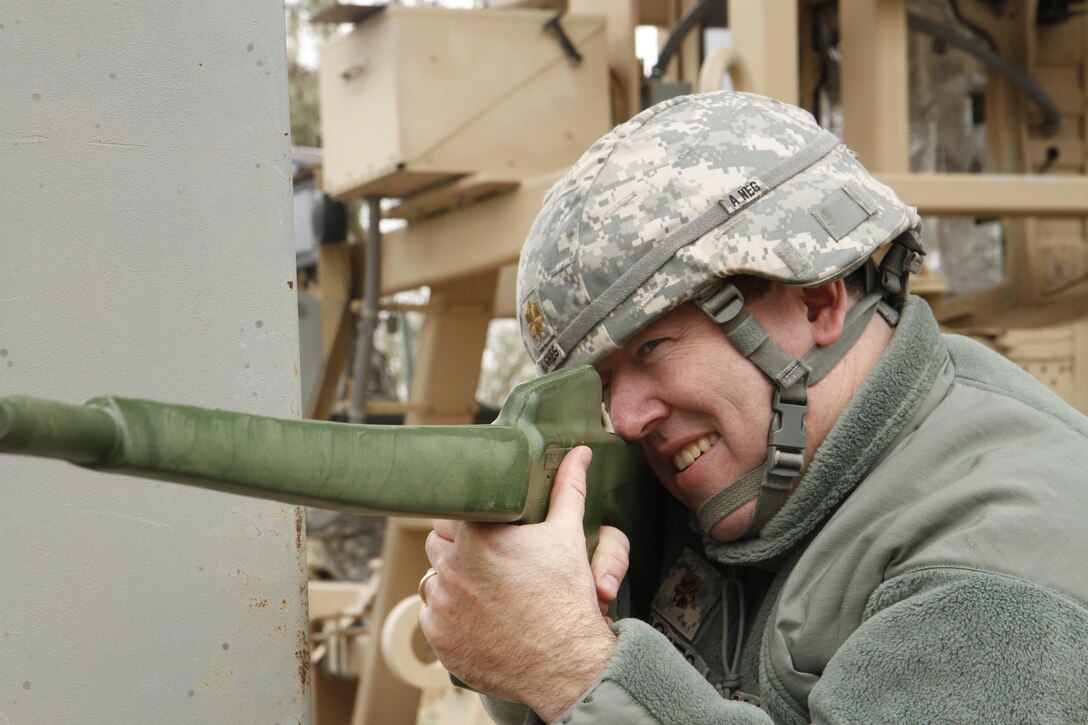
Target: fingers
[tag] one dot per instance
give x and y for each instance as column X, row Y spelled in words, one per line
column 447, row 528
column 441, row 539
column 610, row 562
column 568, row 502
column 437, row 546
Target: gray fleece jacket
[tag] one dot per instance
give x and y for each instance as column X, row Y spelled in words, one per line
column 932, row 566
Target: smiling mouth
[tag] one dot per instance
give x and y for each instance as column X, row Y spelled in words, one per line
column 693, row 450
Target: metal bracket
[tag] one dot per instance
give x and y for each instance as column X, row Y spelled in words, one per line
column 565, row 43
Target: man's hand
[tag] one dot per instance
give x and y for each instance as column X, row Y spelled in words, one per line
column 610, row 561
column 514, row 610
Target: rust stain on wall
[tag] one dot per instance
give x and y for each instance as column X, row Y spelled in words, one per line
column 221, row 677
column 240, row 575
column 302, row 655
column 300, row 523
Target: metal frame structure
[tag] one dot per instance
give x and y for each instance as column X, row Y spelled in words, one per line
column 464, row 246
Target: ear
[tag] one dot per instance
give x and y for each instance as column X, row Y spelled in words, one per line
column 827, row 306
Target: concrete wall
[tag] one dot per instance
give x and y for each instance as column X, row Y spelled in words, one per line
column 145, row 250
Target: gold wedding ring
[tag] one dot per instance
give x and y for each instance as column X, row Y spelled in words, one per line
column 422, row 582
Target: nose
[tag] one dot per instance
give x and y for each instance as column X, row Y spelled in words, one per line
column 634, row 405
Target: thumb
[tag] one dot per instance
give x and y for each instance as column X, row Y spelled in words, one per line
column 568, row 502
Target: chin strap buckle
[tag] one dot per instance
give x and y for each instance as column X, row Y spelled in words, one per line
column 723, row 305
column 787, row 440
column 902, row 260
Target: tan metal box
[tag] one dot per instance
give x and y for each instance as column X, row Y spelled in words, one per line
column 1057, row 356
column 416, row 96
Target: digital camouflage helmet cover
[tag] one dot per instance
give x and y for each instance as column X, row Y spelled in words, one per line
column 667, row 206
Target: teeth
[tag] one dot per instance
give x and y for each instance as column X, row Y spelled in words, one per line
column 693, row 450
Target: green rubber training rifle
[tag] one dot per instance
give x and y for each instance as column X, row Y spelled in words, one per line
column 501, row 472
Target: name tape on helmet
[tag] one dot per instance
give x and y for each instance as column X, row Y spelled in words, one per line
column 741, row 197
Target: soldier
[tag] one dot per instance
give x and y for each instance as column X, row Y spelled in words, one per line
column 874, row 522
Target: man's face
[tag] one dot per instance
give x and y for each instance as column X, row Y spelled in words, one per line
column 700, row 410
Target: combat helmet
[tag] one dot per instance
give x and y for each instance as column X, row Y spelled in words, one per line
column 668, row 206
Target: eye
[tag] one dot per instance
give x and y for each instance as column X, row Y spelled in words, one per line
column 647, row 347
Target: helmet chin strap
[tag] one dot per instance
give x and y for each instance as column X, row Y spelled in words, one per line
column 771, row 483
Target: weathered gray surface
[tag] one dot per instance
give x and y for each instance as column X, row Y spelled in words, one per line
column 145, row 250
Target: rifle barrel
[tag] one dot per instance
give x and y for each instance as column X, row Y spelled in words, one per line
column 477, row 472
